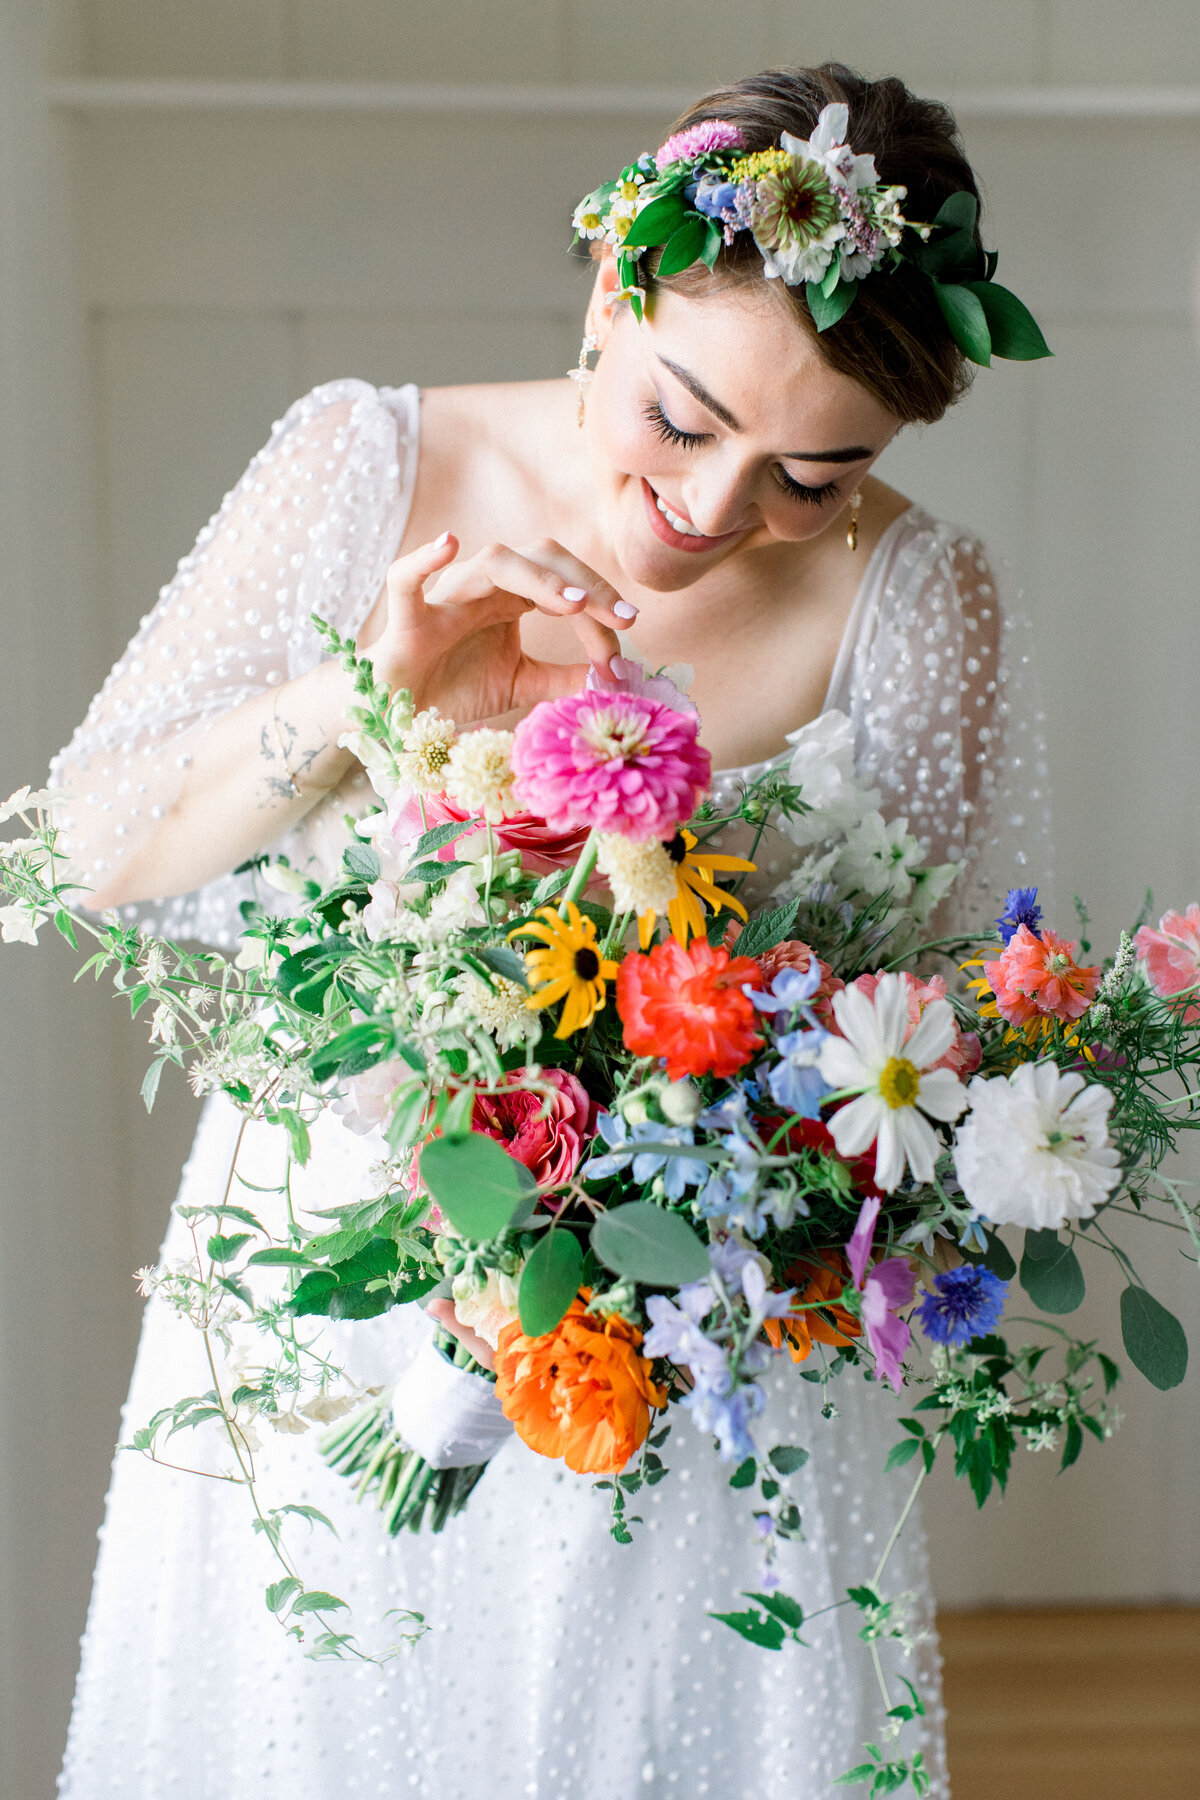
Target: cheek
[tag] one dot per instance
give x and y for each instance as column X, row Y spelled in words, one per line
column 626, row 440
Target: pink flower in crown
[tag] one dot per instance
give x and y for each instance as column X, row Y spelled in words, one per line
column 612, row 762
column 1172, row 955
column 698, row 140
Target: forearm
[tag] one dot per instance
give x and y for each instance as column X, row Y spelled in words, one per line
column 252, row 775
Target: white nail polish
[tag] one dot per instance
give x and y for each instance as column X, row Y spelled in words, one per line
column 574, row 593
column 440, row 543
column 624, row 610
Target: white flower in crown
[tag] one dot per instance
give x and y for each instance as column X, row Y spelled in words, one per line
column 828, row 146
column 588, row 217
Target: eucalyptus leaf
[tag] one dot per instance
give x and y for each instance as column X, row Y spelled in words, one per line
column 643, row 1242
column 1050, row 1273
column 1154, row 1338
column 549, row 1281
column 477, row 1184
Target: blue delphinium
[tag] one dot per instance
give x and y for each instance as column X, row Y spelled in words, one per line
column 678, row 1172
column 965, row 1303
column 795, row 1081
column 1020, row 908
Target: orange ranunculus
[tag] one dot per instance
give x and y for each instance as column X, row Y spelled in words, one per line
column 582, row 1392
column 801, row 1329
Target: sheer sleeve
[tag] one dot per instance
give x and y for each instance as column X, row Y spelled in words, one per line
column 940, row 687
column 311, row 527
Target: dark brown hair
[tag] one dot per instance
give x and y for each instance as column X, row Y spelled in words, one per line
column 893, row 340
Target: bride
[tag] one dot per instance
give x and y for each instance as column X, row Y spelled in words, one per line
column 704, row 494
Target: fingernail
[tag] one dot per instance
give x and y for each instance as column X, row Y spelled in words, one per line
column 574, row 593
column 623, row 610
column 440, row 543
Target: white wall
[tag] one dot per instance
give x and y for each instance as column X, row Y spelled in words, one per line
column 175, row 274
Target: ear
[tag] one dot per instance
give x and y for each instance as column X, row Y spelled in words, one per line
column 606, row 284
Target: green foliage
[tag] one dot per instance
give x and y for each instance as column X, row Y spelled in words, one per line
column 643, row 1242
column 766, row 930
column 1154, row 1338
column 772, row 1622
column 549, row 1281
column 743, row 1476
column 477, row 1184
column 787, row 1458
column 1050, row 1273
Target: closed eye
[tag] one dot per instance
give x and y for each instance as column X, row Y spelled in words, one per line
column 670, row 433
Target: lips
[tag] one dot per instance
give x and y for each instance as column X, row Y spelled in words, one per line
column 677, row 540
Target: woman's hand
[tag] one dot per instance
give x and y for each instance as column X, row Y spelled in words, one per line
column 443, row 1311
column 458, row 646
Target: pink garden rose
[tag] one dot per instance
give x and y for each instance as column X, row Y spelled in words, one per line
column 1172, row 955
column 964, row 1055
column 541, row 848
column 614, row 762
column 548, row 1139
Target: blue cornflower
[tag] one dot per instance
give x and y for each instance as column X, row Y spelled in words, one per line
column 966, row 1303
column 1020, row 908
column 678, row 1172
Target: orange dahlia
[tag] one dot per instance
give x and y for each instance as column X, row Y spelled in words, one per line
column 804, row 1327
column 581, row 1392
column 688, row 1006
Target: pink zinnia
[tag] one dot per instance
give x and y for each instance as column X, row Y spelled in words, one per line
column 610, row 762
column 964, row 1055
column 1172, row 955
column 1038, row 977
column 698, row 140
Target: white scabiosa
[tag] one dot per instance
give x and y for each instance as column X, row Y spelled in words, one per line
column 427, row 745
column 479, row 774
column 895, row 1081
column 640, row 874
column 1035, row 1150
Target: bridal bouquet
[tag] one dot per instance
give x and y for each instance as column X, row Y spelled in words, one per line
column 648, row 1144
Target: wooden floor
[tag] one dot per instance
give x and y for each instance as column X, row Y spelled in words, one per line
column 1095, row 1704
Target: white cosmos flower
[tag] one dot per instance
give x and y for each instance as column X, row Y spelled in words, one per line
column 1035, row 1150
column 896, row 1083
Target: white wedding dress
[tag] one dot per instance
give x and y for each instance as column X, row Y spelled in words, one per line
column 558, row 1664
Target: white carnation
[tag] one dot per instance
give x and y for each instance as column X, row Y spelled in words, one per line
column 1035, row 1149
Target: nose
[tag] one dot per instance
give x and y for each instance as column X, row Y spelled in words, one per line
column 720, row 500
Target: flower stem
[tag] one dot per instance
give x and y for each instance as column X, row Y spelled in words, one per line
column 580, row 873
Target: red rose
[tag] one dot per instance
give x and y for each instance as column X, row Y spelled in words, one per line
column 541, row 849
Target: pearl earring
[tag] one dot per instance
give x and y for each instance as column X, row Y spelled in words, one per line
column 582, row 375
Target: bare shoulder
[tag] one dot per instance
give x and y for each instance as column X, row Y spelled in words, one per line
column 882, row 506
column 480, row 449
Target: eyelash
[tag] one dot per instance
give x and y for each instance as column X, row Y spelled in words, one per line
column 688, row 440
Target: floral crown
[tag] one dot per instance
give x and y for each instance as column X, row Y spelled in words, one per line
column 820, row 217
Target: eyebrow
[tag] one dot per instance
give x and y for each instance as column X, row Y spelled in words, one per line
column 854, row 453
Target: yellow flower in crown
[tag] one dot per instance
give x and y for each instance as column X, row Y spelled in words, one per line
column 569, row 966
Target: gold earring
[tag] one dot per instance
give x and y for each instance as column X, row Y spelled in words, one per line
column 582, row 375
column 852, row 528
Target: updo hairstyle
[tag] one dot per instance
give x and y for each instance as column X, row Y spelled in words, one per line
column 893, row 340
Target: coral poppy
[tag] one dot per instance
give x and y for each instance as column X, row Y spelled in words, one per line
column 1172, row 956
column 581, row 1392
column 688, row 1006
column 1038, row 977
column 804, row 1326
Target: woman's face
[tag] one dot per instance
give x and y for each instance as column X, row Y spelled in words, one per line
column 715, row 427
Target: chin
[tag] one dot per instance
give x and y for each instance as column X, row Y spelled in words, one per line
column 654, row 564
